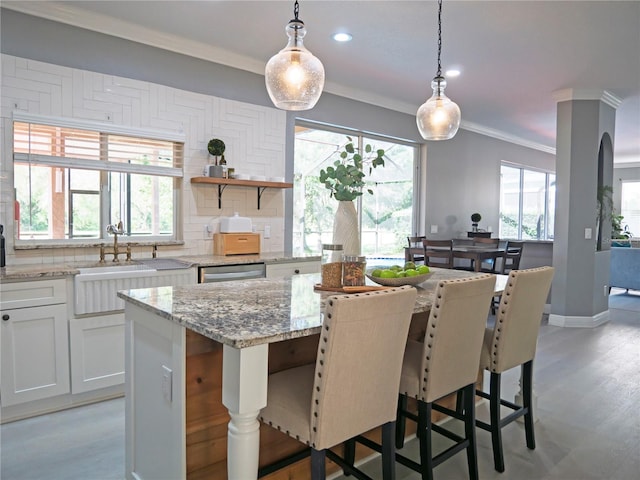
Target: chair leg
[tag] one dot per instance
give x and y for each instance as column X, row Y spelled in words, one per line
column 349, row 453
column 424, row 435
column 470, row 430
column 401, row 421
column 494, row 413
column 460, row 401
column 318, row 471
column 388, row 451
column 527, row 387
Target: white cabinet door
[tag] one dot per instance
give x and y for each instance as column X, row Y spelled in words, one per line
column 35, row 354
column 292, row 268
column 97, row 352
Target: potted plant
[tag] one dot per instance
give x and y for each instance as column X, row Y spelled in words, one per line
column 475, row 219
column 216, row 148
column 345, row 180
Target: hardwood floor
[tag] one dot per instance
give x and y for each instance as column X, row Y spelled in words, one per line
column 587, row 383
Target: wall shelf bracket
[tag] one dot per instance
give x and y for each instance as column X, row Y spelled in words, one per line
column 220, row 190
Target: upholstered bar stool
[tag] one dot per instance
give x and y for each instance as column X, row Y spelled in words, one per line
column 353, row 386
column 445, row 362
column 511, row 343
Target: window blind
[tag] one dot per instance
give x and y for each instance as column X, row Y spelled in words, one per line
column 72, row 147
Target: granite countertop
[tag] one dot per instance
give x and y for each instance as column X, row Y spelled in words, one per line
column 253, row 312
column 52, row 270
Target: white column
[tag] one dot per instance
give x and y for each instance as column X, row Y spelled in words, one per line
column 244, row 393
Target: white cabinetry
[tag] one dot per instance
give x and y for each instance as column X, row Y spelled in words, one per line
column 286, row 269
column 97, row 352
column 34, row 341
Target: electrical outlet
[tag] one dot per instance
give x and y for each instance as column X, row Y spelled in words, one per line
column 206, row 231
column 267, row 231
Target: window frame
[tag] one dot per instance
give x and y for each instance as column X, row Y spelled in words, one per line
column 547, row 224
column 360, row 138
column 105, row 167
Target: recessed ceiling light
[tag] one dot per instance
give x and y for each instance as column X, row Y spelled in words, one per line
column 342, row 37
column 453, row 73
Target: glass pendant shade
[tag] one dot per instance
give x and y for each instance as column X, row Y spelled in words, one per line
column 438, row 118
column 294, row 77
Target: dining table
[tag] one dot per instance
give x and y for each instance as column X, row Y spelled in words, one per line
column 244, row 318
column 476, row 253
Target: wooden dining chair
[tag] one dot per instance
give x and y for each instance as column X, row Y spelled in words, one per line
column 438, row 253
column 512, row 256
column 415, row 243
column 488, row 266
column 353, row 386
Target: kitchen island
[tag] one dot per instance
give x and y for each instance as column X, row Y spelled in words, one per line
column 198, row 357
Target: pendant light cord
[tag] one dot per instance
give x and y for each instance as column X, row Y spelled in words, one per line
column 439, row 74
column 296, row 9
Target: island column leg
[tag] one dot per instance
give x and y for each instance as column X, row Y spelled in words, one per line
column 244, row 393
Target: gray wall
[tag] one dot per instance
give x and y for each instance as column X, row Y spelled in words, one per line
column 462, row 173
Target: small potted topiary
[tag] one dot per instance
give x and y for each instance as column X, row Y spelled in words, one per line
column 475, row 218
column 216, row 148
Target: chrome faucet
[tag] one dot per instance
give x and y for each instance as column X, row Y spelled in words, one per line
column 115, row 230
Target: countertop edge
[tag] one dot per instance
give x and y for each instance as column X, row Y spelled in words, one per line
column 14, row 273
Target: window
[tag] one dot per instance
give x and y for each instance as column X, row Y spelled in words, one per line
column 71, row 182
column 527, row 203
column 385, row 217
column 630, row 207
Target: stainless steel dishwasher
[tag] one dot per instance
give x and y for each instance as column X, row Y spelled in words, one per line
column 225, row 273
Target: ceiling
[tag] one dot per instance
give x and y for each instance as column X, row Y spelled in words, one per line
column 513, row 54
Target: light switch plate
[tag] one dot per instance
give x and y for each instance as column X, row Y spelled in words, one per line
column 587, row 234
column 434, row 228
column 167, row 383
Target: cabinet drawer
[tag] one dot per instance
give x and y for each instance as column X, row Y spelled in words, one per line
column 236, row 243
column 33, row 294
column 288, row 269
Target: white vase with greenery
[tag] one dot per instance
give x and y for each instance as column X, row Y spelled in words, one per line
column 345, row 181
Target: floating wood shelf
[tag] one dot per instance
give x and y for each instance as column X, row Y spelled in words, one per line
column 222, row 183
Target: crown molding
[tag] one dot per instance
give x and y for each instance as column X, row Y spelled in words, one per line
column 500, row 135
column 130, row 31
column 104, row 24
column 604, row 96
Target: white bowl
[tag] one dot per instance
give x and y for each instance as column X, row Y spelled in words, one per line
column 241, row 176
column 276, row 179
column 258, row 177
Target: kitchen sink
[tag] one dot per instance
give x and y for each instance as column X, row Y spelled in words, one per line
column 95, row 288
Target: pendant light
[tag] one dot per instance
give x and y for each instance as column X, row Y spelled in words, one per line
column 438, row 118
column 294, row 77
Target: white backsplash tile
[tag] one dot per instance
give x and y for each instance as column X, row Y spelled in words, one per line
column 254, row 137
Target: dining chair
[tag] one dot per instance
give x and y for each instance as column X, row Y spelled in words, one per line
column 353, row 386
column 415, row 243
column 512, row 255
column 441, row 250
column 511, row 343
column 447, row 360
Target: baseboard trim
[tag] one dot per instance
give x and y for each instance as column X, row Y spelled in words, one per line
column 578, row 321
